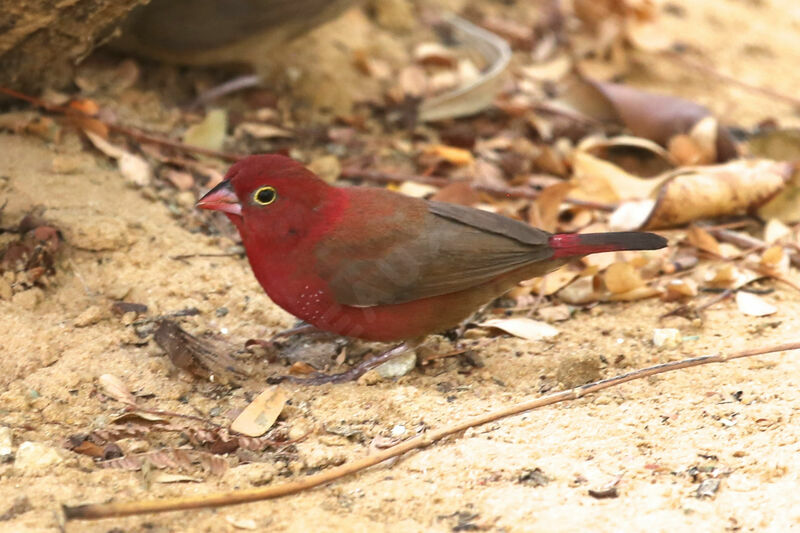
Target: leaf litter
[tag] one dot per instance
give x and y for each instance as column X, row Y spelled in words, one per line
column 666, row 160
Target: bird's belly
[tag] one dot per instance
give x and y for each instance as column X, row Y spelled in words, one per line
column 395, row 322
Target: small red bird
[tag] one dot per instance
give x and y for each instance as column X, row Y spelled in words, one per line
column 377, row 265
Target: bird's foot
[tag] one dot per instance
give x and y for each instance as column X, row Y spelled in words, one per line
column 301, row 329
column 269, row 344
column 352, row 374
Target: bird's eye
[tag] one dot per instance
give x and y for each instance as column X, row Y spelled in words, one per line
column 265, row 195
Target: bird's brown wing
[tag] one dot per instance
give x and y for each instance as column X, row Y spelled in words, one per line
column 425, row 250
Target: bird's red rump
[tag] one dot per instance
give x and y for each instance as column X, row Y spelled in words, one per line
column 575, row 244
column 568, row 245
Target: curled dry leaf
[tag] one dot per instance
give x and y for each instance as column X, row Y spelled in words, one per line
column 600, row 181
column 630, row 215
column 113, row 387
column 653, row 116
column 133, row 167
column 753, row 305
column 707, row 192
column 635, row 155
column 525, row 328
column 479, row 94
column 261, row 413
column 544, row 210
column 700, row 238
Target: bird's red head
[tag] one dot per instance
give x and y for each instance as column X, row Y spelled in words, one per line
column 273, row 199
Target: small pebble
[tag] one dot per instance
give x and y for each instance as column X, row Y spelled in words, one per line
column 398, row 431
column 90, row 316
column 6, row 451
column 28, row 299
column 398, row 366
column 67, row 164
column 35, row 456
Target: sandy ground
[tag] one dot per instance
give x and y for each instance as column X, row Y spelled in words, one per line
column 659, row 437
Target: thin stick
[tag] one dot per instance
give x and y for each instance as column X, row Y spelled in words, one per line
column 108, row 510
column 709, row 71
column 506, row 192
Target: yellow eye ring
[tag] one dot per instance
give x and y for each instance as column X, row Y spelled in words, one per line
column 265, row 195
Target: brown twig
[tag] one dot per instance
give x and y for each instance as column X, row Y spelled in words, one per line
column 436, row 181
column 191, row 256
column 743, row 240
column 108, row 510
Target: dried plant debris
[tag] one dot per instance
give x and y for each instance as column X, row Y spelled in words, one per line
column 28, row 254
column 202, row 358
column 175, row 458
column 259, row 416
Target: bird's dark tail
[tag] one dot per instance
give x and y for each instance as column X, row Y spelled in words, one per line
column 576, row 244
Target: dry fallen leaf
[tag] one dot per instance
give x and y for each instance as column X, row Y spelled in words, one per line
column 133, row 167
column 776, row 230
column 713, row 191
column 635, row 155
column 166, row 477
column 700, row 238
column 210, row 133
column 677, row 289
column 657, row 117
column 525, row 328
column 753, row 305
column 600, row 181
column 113, row 387
column 261, row 413
column 622, row 278
column 200, row 357
column 451, row 154
column 544, row 210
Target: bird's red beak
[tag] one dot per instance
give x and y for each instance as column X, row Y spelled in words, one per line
column 221, row 198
